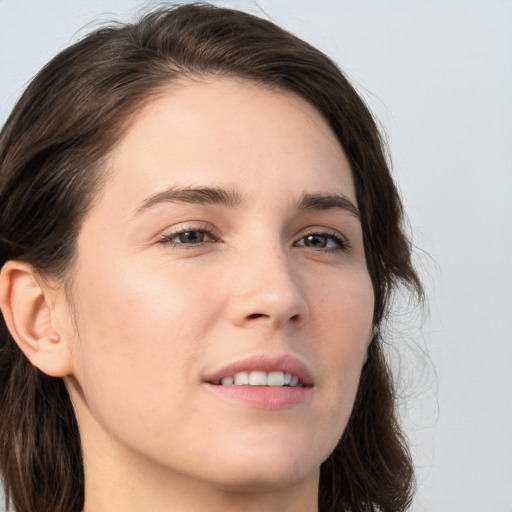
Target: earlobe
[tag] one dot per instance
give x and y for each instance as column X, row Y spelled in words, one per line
column 26, row 307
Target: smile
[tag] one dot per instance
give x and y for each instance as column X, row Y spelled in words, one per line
column 263, row 371
column 261, row 378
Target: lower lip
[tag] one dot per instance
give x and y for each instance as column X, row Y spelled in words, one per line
column 265, row 397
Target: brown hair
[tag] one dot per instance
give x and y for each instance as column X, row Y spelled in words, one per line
column 65, row 124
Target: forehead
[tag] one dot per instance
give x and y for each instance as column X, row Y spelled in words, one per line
column 228, row 132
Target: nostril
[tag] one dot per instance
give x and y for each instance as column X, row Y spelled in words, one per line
column 254, row 316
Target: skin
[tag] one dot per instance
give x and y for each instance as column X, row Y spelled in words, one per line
column 152, row 314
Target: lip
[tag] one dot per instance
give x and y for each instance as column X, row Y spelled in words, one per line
column 267, row 363
column 264, row 397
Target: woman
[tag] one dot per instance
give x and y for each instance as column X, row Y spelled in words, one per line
column 199, row 240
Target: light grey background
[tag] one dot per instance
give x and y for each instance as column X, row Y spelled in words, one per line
column 438, row 75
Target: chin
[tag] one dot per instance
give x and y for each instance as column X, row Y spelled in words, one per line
column 273, row 467
column 268, row 479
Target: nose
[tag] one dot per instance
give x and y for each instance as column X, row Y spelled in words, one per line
column 267, row 291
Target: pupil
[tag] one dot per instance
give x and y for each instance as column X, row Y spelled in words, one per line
column 315, row 241
column 191, row 237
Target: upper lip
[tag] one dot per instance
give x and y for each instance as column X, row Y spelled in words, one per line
column 285, row 363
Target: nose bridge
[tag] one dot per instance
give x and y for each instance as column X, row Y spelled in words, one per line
column 267, row 290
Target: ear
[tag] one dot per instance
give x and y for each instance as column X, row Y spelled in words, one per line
column 26, row 305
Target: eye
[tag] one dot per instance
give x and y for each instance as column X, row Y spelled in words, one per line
column 188, row 237
column 327, row 240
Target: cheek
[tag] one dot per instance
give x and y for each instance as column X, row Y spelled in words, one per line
column 138, row 304
column 140, row 331
column 344, row 315
column 344, row 307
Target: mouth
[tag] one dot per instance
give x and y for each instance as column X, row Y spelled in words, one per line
column 264, row 381
column 263, row 370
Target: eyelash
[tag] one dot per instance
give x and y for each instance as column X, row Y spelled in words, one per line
column 339, row 240
column 167, row 239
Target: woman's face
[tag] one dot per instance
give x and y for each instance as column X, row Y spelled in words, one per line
column 224, row 245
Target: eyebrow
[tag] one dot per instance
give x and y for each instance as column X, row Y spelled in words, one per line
column 192, row 195
column 328, row 202
column 232, row 198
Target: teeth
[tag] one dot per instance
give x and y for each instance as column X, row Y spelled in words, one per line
column 260, row 378
column 242, row 378
column 275, row 379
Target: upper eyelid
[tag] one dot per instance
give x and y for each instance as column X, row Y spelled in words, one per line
column 184, row 227
column 318, row 230
column 340, row 239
